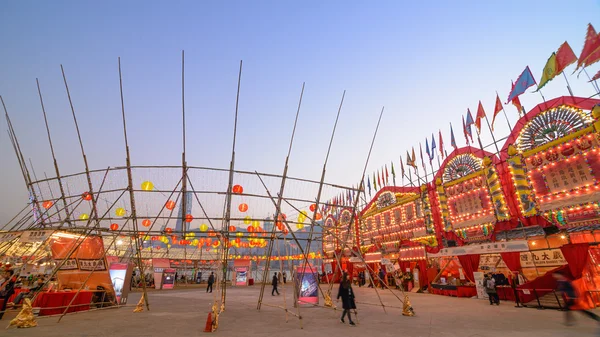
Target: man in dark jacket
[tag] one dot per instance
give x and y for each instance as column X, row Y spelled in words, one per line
column 211, row 280
column 7, row 289
column 274, row 284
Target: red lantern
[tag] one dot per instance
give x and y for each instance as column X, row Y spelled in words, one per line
column 189, row 218
column 312, row 207
column 243, row 207
column 168, row 230
column 154, row 238
column 318, row 216
column 170, row 205
column 232, row 228
column 238, row 189
column 86, row 196
column 182, row 242
column 250, row 229
column 146, row 223
column 157, row 247
column 114, row 227
column 47, row 204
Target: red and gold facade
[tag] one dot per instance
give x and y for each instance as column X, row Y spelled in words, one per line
column 470, row 194
column 554, row 162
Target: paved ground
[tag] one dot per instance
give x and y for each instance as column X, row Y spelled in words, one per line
column 183, row 313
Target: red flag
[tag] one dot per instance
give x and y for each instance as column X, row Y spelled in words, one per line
column 480, row 115
column 441, row 145
column 387, row 179
column 564, row 57
column 378, row 180
column 597, row 76
column 591, row 46
column 497, row 109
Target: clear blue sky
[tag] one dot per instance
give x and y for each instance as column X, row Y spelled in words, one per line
column 426, row 62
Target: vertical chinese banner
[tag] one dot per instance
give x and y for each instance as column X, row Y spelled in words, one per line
column 82, row 256
column 307, row 285
column 159, row 265
column 120, row 275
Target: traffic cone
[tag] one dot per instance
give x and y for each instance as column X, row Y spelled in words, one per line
column 208, row 327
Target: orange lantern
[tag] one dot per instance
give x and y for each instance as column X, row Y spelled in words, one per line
column 318, row 216
column 47, row 204
column 168, row 230
column 232, row 228
column 238, row 189
column 86, row 196
column 146, row 223
column 114, row 227
column 243, row 207
column 189, row 218
column 170, row 205
column 312, row 207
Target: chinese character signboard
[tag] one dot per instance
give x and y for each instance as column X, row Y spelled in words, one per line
column 84, row 262
column 542, row 258
column 35, row 236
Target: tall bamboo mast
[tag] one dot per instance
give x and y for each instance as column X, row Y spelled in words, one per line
column 225, row 229
column 22, row 164
column 317, row 207
column 56, row 170
column 183, row 161
column 278, row 206
column 131, row 193
column 87, row 169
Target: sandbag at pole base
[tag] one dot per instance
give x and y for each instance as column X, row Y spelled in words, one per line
column 407, row 309
column 25, row 319
column 140, row 306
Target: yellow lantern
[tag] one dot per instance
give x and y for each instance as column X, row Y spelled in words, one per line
column 120, row 211
column 147, row 186
column 203, row 227
column 299, row 226
column 84, row 216
column 255, row 223
column 239, row 234
column 169, row 245
column 190, row 235
column 247, row 220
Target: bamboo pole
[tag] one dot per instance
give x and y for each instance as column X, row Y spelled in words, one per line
column 56, row 170
column 131, row 193
column 278, row 208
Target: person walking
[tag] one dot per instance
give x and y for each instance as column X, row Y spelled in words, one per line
column 284, row 277
column 566, row 289
column 382, row 277
column 211, row 280
column 347, row 296
column 490, row 288
column 274, row 284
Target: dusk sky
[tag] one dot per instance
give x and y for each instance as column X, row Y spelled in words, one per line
column 426, row 62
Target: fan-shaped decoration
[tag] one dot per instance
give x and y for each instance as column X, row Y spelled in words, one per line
column 460, row 166
column 551, row 125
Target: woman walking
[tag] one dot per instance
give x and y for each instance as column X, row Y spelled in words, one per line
column 347, row 296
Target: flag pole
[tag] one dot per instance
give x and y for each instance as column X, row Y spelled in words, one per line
column 492, row 133
column 594, row 83
column 568, row 85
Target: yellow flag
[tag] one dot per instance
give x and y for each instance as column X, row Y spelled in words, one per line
column 549, row 71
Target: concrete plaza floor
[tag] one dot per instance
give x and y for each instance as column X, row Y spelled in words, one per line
column 183, row 312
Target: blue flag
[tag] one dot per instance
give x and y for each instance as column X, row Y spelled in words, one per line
column 433, row 147
column 427, row 149
column 524, row 81
column 468, row 124
column 452, row 139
